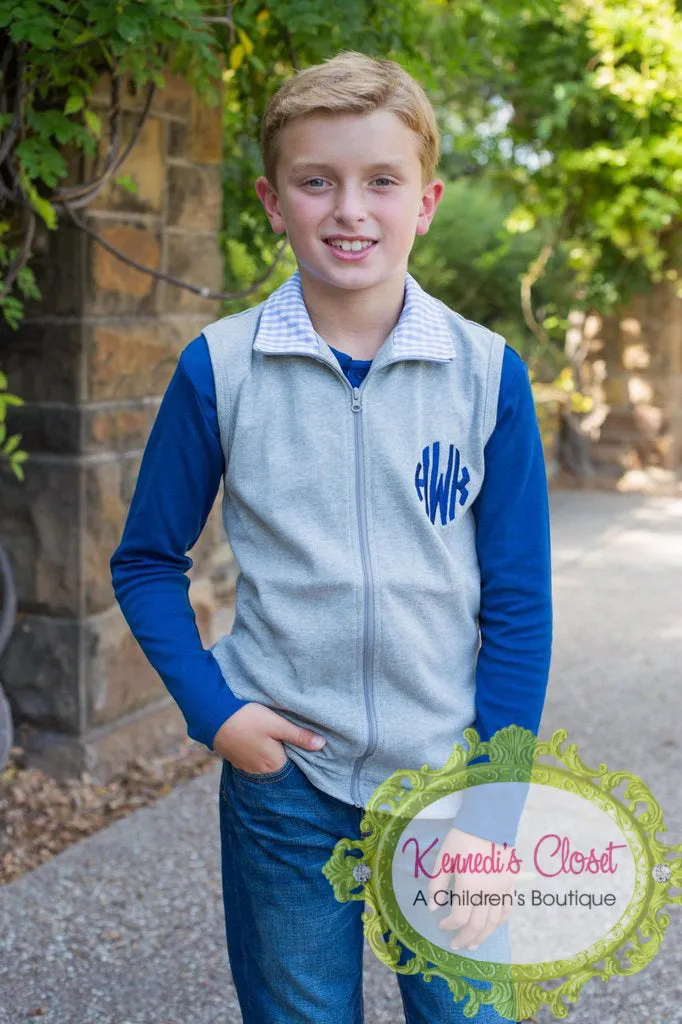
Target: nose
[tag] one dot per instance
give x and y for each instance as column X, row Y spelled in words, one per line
column 350, row 205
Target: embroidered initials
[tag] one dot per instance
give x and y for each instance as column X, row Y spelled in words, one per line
column 435, row 492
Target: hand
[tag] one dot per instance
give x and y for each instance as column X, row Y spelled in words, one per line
column 251, row 739
column 474, row 923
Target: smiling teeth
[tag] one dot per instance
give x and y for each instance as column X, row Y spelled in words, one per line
column 350, row 246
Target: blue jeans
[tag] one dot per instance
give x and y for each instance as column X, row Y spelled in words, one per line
column 295, row 951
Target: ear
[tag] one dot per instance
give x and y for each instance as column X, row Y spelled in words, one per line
column 430, row 199
column 270, row 201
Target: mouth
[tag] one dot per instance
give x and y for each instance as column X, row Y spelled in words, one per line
column 349, row 253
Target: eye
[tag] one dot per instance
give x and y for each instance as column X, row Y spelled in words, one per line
column 313, row 179
column 382, row 177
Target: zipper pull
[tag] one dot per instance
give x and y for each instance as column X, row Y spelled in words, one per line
column 355, row 400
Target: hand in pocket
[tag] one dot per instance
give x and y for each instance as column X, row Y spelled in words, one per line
column 252, row 739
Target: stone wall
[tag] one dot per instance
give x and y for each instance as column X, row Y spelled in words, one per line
column 92, row 359
column 634, row 372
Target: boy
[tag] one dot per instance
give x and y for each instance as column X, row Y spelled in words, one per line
column 386, row 501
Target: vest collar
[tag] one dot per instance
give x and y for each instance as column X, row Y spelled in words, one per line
column 422, row 332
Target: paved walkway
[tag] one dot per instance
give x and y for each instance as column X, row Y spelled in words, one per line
column 127, row 928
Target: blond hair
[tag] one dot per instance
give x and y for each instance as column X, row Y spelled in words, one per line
column 351, row 83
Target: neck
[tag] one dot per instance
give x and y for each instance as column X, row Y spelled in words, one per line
column 356, row 321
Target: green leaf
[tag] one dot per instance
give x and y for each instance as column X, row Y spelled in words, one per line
column 84, row 37
column 12, row 443
column 12, row 310
column 257, row 63
column 236, row 56
column 41, row 161
column 130, row 28
column 42, row 207
column 74, row 104
column 245, row 41
column 93, row 122
column 50, row 124
column 127, row 183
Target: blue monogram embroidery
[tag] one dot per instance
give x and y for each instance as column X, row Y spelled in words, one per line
column 435, row 492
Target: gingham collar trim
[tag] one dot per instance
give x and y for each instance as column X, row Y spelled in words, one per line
column 422, row 332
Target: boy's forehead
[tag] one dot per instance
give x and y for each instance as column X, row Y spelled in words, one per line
column 354, row 140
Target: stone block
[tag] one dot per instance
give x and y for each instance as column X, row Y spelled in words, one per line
column 42, row 360
column 196, row 259
column 39, row 670
column 175, row 97
column 46, row 428
column 144, row 164
column 119, row 428
column 39, row 526
column 194, row 199
column 74, row 430
column 106, row 506
column 118, row 677
column 205, row 132
column 109, row 489
column 113, row 286
column 57, row 263
column 154, row 731
column 129, row 359
column 177, row 139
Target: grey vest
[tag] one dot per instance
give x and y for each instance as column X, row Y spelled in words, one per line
column 349, row 514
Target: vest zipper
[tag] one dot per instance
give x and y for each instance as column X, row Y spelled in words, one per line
column 368, row 640
column 368, row 632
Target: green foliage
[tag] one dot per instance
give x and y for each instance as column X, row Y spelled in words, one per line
column 68, row 43
column 9, row 446
column 473, row 264
column 243, row 270
column 58, row 49
column 10, row 305
column 588, row 96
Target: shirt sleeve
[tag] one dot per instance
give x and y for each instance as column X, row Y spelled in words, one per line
column 515, row 619
column 180, row 472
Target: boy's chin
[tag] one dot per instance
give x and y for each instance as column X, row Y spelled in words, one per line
column 351, row 276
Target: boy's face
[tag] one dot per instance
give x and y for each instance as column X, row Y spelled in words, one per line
column 357, row 175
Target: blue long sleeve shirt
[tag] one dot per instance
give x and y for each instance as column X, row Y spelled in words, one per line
column 181, row 471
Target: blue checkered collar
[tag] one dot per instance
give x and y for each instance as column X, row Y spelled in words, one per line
column 422, row 332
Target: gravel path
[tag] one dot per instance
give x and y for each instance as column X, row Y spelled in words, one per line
column 126, row 926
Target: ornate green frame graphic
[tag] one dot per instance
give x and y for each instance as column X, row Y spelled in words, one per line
column 516, row 991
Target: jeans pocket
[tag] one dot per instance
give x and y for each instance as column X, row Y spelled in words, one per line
column 263, row 778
